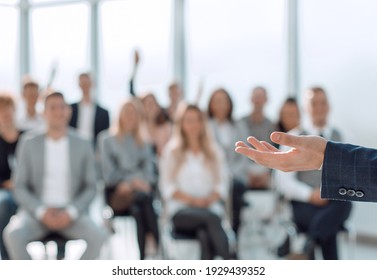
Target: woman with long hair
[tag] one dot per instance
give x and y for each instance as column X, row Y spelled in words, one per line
column 289, row 116
column 194, row 182
column 128, row 172
column 157, row 124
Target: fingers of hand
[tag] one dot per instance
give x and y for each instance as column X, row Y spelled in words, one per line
column 257, row 144
column 285, row 139
column 270, row 147
column 250, row 153
column 241, row 144
column 276, row 137
column 242, row 148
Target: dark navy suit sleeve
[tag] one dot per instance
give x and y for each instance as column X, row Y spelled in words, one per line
column 349, row 172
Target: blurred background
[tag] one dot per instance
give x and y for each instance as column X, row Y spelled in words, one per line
column 283, row 45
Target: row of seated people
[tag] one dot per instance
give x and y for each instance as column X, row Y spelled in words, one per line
column 55, row 180
column 193, row 170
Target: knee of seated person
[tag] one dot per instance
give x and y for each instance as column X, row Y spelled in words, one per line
column 341, row 206
column 143, row 197
column 201, row 234
column 12, row 235
column 211, row 217
column 135, row 210
column 6, row 207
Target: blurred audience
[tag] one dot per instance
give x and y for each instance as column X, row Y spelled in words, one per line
column 54, row 195
column 195, row 172
column 128, row 173
column 194, row 181
column 9, row 136
column 320, row 219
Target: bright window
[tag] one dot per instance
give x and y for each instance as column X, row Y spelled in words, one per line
column 60, row 36
column 238, row 45
column 9, row 58
column 339, row 52
column 130, row 25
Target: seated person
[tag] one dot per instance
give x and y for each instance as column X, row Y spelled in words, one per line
column 260, row 126
column 54, row 185
column 194, row 182
column 128, row 172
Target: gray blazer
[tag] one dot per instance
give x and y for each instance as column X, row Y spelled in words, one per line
column 123, row 160
column 30, row 170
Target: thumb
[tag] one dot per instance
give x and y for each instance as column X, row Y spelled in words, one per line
column 286, row 139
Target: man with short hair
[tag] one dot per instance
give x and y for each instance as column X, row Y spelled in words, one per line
column 87, row 116
column 259, row 125
column 256, row 178
column 55, row 183
column 29, row 118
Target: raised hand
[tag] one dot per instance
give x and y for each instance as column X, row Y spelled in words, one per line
column 136, row 57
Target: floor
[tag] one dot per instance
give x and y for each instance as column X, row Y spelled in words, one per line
column 256, row 241
column 123, row 246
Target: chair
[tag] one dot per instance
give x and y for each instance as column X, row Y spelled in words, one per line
column 174, row 243
column 60, row 242
column 178, row 245
column 110, row 216
column 119, row 224
column 259, row 230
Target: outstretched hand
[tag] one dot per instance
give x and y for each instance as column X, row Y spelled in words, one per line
column 306, row 153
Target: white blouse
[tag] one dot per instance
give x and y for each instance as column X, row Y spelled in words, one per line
column 194, row 178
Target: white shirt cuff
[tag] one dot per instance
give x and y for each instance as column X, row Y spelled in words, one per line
column 304, row 194
column 72, row 212
column 39, row 213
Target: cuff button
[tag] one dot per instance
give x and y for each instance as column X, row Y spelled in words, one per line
column 342, row 191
